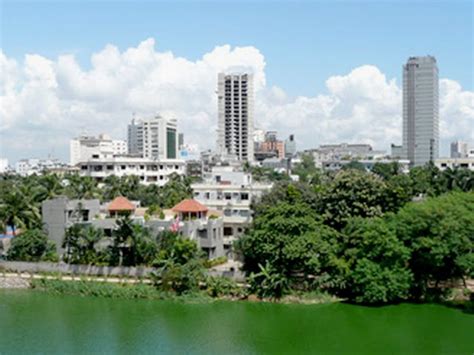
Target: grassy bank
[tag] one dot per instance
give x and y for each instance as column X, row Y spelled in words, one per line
column 110, row 290
column 149, row 292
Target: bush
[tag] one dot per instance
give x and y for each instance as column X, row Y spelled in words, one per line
column 179, row 278
column 269, row 283
column 32, row 245
column 217, row 286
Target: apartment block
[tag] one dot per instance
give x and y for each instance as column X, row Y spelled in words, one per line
column 235, row 115
column 154, row 138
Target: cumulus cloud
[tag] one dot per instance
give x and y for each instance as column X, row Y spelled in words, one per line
column 45, row 102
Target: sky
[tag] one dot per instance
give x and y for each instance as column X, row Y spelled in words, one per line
column 327, row 71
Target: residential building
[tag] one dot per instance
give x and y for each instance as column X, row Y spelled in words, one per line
column 189, row 218
column 60, row 213
column 368, row 164
column 271, row 144
column 459, row 149
column 235, row 115
column 344, row 151
column 27, row 167
column 453, row 163
column 149, row 171
column 154, row 138
column 420, row 110
column 194, row 168
column 84, row 148
column 232, row 193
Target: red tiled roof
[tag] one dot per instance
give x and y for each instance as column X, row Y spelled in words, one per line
column 120, row 204
column 190, row 205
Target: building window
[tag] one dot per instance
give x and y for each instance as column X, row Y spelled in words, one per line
column 171, row 143
column 228, row 231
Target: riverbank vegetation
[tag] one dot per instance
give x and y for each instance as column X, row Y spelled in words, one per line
column 361, row 236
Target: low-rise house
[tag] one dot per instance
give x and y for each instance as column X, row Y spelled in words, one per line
column 60, row 213
column 189, row 218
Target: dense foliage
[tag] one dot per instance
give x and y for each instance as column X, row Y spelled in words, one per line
column 367, row 237
column 32, row 245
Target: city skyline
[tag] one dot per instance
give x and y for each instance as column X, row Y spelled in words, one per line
column 55, row 92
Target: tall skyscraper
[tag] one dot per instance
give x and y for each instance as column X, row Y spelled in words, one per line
column 235, row 115
column 154, row 138
column 420, row 110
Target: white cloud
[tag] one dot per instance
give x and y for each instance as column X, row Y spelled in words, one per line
column 45, row 102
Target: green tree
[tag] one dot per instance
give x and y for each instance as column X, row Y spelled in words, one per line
column 80, row 243
column 307, row 170
column 386, row 170
column 373, row 263
column 440, row 234
column 289, row 240
column 32, row 245
column 18, row 209
column 351, row 194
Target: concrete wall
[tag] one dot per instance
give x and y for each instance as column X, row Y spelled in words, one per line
column 22, row 266
column 88, row 270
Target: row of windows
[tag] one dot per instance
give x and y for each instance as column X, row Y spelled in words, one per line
column 124, row 167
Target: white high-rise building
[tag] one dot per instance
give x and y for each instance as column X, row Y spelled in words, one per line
column 235, row 111
column 420, row 110
column 84, row 148
column 459, row 149
column 153, row 138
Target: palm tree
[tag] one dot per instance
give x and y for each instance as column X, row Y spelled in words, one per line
column 50, row 186
column 82, row 187
column 19, row 210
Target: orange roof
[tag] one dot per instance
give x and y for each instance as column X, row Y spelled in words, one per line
column 120, row 204
column 189, row 205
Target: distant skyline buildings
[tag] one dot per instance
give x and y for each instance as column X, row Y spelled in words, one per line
column 459, row 149
column 420, row 110
column 155, row 137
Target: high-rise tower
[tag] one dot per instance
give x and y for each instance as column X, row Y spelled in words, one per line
column 420, row 110
column 235, row 115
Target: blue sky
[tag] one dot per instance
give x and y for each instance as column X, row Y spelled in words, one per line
column 328, row 67
column 303, row 42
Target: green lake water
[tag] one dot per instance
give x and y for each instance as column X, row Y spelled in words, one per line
column 34, row 322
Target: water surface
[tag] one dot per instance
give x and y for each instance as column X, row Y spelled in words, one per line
column 35, row 322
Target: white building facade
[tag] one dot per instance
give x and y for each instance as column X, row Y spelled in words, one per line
column 149, row 171
column 153, row 138
column 454, row 163
column 231, row 192
column 235, row 115
column 84, row 148
column 420, row 110
column 27, row 167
